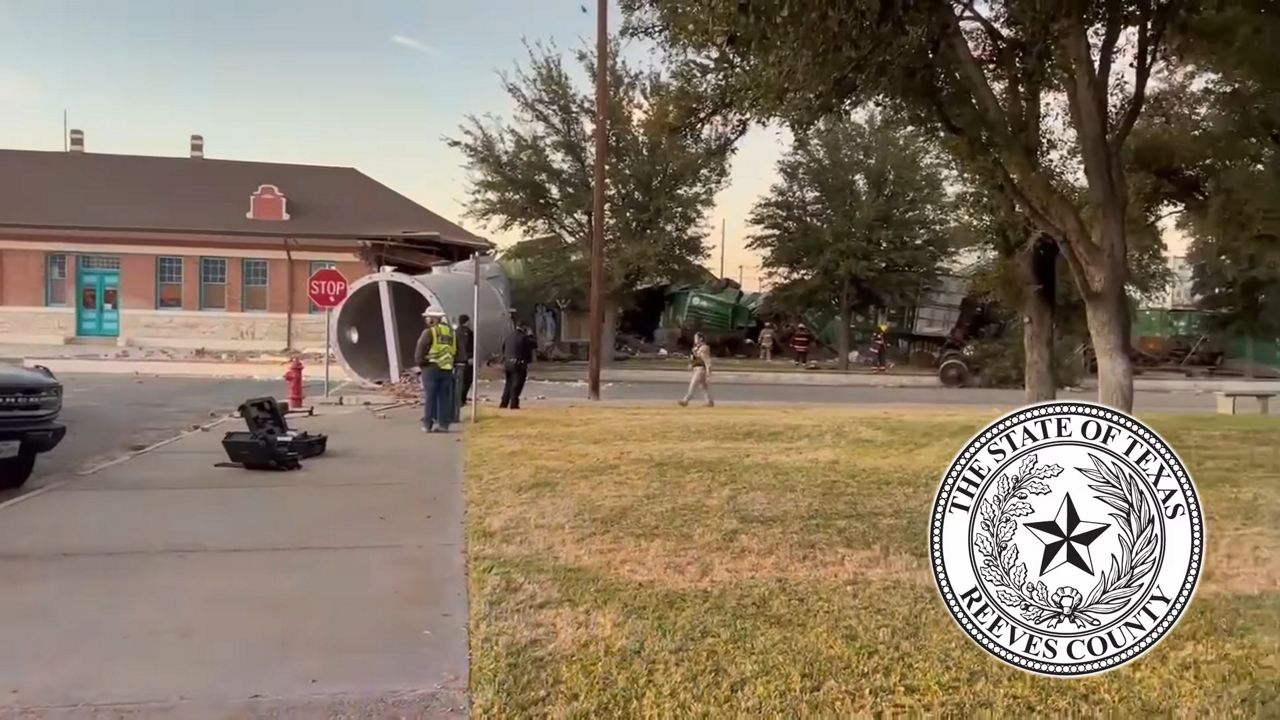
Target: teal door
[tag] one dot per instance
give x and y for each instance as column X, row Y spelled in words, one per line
column 98, row 312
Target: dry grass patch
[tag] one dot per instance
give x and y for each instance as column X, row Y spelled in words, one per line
column 766, row 562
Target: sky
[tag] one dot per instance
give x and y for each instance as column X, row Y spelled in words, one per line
column 374, row 85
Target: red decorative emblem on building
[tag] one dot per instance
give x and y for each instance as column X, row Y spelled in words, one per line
column 268, row 203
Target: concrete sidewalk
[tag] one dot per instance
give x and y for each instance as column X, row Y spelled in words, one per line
column 166, row 587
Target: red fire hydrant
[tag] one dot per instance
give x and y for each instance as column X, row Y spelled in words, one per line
column 294, row 377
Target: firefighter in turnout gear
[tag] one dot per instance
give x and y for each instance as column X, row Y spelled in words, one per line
column 436, row 349
column 880, row 347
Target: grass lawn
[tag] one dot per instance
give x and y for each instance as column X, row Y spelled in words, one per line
column 655, row 562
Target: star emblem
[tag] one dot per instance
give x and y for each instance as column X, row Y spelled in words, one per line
column 1066, row 538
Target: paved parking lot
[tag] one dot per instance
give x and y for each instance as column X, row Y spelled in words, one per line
column 108, row 415
column 168, row 587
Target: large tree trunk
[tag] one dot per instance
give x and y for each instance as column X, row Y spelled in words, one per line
column 1038, row 272
column 1108, row 317
column 842, row 332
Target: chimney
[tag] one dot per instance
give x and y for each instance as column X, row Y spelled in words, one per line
column 77, row 141
column 197, row 146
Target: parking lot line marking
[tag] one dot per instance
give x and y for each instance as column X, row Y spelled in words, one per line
column 34, row 493
column 153, row 446
column 102, row 466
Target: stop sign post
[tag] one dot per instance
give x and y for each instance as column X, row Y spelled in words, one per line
column 327, row 288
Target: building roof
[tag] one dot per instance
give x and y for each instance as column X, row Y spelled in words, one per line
column 93, row 191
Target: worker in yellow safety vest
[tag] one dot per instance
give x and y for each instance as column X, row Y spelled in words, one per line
column 435, row 352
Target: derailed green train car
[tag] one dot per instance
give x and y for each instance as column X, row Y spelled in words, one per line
column 721, row 311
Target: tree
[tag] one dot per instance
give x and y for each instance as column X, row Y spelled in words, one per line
column 1239, row 279
column 1023, row 275
column 668, row 158
column 1210, row 148
column 858, row 217
column 1030, row 94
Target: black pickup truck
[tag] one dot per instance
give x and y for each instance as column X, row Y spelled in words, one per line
column 30, row 400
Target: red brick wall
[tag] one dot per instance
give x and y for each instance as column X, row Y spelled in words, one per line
column 191, row 283
column 22, row 278
column 137, row 281
column 23, row 273
column 235, row 284
column 278, row 286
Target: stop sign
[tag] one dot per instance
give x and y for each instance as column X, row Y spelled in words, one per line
column 327, row 288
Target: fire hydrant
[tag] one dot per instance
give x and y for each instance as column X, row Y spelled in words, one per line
column 294, row 377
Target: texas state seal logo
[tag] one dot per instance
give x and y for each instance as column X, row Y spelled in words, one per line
column 1067, row 538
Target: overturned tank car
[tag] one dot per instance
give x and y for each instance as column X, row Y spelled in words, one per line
column 376, row 328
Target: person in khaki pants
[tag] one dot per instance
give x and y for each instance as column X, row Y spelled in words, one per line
column 766, row 342
column 700, row 362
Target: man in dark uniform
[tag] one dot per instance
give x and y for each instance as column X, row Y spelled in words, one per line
column 463, row 362
column 517, row 353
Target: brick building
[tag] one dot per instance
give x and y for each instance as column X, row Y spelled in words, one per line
column 190, row 252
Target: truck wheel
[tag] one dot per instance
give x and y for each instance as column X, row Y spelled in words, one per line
column 14, row 471
column 953, row 372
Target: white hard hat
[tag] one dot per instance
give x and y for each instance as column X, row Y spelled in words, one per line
column 433, row 312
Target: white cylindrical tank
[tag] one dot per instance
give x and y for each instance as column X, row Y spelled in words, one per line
column 376, row 328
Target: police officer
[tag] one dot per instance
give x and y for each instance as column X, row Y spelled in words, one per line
column 466, row 339
column 517, row 353
column 435, row 352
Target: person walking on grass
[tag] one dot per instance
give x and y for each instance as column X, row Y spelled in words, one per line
column 700, row 364
column 801, row 342
column 435, row 353
column 766, row 342
column 517, row 353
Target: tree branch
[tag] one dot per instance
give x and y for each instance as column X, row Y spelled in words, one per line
column 1088, row 111
column 969, row 12
column 1111, row 36
column 1152, row 25
column 975, row 79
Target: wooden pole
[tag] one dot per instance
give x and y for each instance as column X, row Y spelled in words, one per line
column 475, row 338
column 721, row 247
column 597, row 213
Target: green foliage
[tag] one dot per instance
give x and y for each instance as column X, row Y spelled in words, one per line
column 1210, row 149
column 1238, row 276
column 1001, row 361
column 533, row 174
column 859, row 216
column 1031, row 96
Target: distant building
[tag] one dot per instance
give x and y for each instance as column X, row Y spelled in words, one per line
column 1181, row 293
column 193, row 252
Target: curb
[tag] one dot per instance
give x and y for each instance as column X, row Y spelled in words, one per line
column 181, row 368
column 732, row 377
column 889, row 380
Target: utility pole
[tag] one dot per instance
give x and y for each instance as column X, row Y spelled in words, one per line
column 597, row 213
column 722, row 247
column 739, row 277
